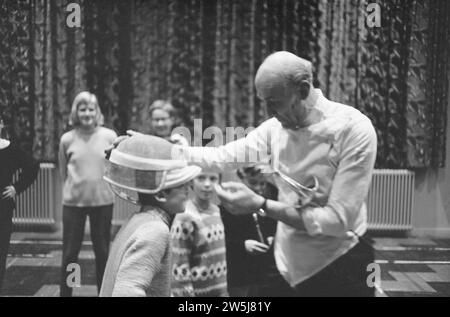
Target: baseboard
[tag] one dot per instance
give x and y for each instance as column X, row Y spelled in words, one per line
column 431, row 232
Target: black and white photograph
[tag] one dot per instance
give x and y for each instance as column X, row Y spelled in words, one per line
column 237, row 149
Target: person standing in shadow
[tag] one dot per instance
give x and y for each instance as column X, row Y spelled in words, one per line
column 12, row 159
column 252, row 271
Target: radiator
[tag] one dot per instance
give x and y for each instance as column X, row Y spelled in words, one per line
column 390, row 200
column 35, row 207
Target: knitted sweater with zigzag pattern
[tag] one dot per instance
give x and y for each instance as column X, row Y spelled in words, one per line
column 198, row 248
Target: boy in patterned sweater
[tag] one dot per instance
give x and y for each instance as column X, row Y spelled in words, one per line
column 198, row 244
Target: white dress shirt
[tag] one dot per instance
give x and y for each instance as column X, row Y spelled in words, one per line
column 340, row 150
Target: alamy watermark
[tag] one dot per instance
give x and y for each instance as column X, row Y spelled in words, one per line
column 74, row 278
column 374, row 278
column 373, row 18
column 73, row 19
column 247, row 150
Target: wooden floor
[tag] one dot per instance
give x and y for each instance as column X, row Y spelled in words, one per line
column 409, row 267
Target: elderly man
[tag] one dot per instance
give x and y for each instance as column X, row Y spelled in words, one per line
column 318, row 249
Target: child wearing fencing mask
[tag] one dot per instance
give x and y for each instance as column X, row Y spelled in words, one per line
column 139, row 262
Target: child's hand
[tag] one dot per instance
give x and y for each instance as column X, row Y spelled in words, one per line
column 255, row 247
column 9, row 192
column 270, row 240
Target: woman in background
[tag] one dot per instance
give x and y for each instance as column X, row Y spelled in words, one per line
column 12, row 158
column 85, row 193
column 162, row 119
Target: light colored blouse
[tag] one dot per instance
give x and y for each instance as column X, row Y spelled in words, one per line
column 340, row 150
column 82, row 165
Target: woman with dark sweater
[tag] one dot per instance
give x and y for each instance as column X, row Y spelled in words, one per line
column 12, row 158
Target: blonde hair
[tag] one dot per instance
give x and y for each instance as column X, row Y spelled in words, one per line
column 85, row 97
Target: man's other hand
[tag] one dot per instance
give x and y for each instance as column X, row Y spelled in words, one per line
column 255, row 247
column 9, row 192
column 118, row 140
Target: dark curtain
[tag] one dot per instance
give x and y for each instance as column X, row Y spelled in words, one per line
column 203, row 55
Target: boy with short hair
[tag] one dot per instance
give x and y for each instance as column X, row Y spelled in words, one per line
column 139, row 262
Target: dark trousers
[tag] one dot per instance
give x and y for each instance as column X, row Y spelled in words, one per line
column 345, row 277
column 6, row 214
column 74, row 219
column 272, row 286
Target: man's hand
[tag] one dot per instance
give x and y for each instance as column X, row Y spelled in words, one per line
column 255, row 247
column 9, row 192
column 238, row 199
column 118, row 140
column 133, row 133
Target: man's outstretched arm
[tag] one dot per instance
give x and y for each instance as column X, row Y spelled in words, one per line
column 348, row 192
column 252, row 149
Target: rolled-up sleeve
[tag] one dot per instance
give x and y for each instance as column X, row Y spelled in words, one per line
column 358, row 147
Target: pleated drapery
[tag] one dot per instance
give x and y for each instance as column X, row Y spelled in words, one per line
column 203, row 55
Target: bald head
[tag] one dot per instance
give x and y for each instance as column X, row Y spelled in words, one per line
column 284, row 68
column 284, row 84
